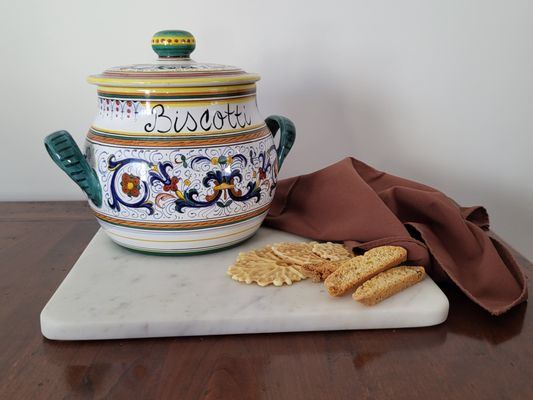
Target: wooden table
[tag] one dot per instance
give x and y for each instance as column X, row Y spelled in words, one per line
column 472, row 355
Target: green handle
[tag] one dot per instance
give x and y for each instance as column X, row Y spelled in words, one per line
column 67, row 155
column 287, row 133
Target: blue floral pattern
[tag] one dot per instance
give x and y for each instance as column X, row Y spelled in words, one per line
column 215, row 181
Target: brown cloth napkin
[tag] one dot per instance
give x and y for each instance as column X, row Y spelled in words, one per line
column 352, row 202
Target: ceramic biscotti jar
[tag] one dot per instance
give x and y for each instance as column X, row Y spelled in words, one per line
column 178, row 159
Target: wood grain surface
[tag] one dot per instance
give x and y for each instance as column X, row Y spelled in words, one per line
column 472, row 355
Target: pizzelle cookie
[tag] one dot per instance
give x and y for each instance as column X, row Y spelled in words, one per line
column 264, row 267
column 354, row 272
column 288, row 262
column 296, row 253
column 388, row 283
column 331, row 251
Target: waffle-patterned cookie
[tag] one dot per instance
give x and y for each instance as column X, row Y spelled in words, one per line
column 296, row 253
column 331, row 251
column 264, row 267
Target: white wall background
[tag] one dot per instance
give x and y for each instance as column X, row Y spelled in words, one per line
column 436, row 91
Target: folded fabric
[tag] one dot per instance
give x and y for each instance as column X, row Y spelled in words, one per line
column 352, row 202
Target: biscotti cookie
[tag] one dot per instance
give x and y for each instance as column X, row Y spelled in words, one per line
column 355, row 271
column 320, row 271
column 388, row 283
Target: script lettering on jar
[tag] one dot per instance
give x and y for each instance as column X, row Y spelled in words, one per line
column 160, row 119
column 164, row 122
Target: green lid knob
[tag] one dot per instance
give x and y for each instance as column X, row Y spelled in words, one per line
column 173, row 44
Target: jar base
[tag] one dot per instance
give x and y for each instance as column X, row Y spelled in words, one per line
column 183, row 242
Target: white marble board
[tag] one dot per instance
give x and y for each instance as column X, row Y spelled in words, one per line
column 114, row 293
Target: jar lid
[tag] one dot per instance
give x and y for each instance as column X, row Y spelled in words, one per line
column 173, row 68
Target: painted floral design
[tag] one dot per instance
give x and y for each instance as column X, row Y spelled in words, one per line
column 131, row 185
column 264, row 167
column 172, row 186
column 200, row 181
